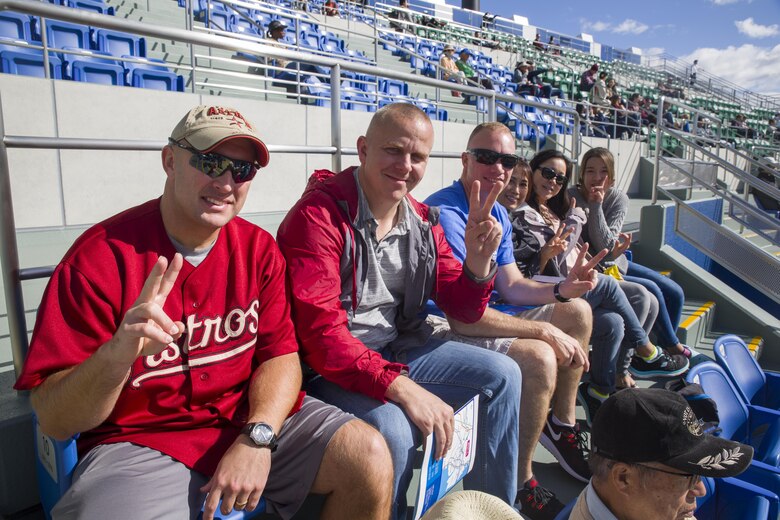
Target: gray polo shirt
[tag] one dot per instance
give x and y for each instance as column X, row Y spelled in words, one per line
column 383, row 289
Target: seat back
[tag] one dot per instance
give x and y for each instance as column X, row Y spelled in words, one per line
column 120, row 44
column 28, row 62
column 55, row 462
column 732, row 410
column 15, row 26
column 742, row 368
column 64, row 34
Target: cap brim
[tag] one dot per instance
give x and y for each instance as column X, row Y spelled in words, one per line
column 714, row 457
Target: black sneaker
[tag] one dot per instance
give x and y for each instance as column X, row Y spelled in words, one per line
column 536, row 502
column 568, row 445
column 589, row 403
column 664, row 365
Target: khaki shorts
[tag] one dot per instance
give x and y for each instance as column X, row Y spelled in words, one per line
column 441, row 329
column 127, row 481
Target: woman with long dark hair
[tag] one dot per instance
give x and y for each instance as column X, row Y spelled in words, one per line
column 546, row 231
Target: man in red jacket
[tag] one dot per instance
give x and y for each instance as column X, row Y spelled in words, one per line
column 164, row 337
column 363, row 259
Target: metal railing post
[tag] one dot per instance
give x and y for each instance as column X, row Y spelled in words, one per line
column 658, row 146
column 335, row 114
column 9, row 259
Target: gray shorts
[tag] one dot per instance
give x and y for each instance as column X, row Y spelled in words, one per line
column 441, row 329
column 126, row 481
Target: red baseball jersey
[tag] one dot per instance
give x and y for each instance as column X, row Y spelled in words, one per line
column 190, row 400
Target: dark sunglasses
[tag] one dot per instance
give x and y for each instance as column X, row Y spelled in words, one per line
column 550, row 174
column 214, row 164
column 693, row 480
column 489, row 157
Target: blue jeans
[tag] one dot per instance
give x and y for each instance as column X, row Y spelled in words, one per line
column 455, row 372
column 670, row 301
column 614, row 323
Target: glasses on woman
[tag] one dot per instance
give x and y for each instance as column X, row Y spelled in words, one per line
column 550, row 174
column 693, row 480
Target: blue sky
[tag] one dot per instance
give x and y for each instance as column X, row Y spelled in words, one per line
column 735, row 38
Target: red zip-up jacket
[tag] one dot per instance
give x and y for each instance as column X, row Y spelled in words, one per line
column 326, row 274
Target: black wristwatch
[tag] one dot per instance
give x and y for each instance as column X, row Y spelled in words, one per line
column 558, row 295
column 262, row 434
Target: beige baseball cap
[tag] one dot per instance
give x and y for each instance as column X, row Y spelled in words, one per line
column 207, row 127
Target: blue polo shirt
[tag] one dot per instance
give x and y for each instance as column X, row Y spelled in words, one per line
column 454, row 204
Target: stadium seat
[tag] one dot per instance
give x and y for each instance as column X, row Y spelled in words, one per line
column 153, row 74
column 95, row 68
column 311, row 40
column 733, row 499
column 757, row 426
column 54, row 465
column 28, row 62
column 120, row 44
column 756, row 386
column 14, row 26
column 97, row 6
column 64, row 34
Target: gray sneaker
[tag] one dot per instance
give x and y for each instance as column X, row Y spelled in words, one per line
column 664, row 365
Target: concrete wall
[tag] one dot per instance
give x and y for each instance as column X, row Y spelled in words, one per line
column 57, row 194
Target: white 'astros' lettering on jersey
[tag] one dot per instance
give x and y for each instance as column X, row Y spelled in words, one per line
column 202, row 333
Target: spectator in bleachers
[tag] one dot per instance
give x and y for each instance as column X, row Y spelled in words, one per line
column 363, row 258
column 612, row 88
column 551, row 359
column 649, row 452
column 635, row 106
column 521, row 78
column 598, row 94
column 606, row 209
column 450, row 71
column 301, row 5
column 164, row 339
column 669, row 119
column 620, row 114
column 694, row 70
column 485, row 40
column 739, row 124
column 546, row 90
column 330, row 8
column 401, row 18
column 552, row 48
column 772, row 131
column 538, row 45
column 588, row 78
column 546, row 236
column 468, row 71
column 276, row 34
column 649, row 111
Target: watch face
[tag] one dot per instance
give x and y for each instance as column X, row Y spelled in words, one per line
column 262, row 434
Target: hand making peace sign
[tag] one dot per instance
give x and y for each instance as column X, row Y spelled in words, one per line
column 582, row 277
column 146, row 329
column 483, row 231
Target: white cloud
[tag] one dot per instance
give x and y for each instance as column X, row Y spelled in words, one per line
column 627, row 26
column 752, row 67
column 630, row 26
column 755, row 30
column 724, row 2
column 596, row 26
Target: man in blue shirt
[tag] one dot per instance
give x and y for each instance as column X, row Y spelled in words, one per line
column 549, row 341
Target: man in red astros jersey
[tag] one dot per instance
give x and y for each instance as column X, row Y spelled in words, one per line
column 164, row 338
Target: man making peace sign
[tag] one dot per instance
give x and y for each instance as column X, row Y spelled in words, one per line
column 363, row 259
column 164, row 338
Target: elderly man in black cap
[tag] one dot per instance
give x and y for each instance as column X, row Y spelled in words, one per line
column 648, row 456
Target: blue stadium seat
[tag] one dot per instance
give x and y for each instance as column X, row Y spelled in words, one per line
column 756, row 386
column 94, row 67
column 14, row 26
column 120, row 44
column 28, row 62
column 332, row 44
column 240, row 25
column 733, row 499
column 64, row 34
column 56, row 461
column 219, row 20
column 153, row 74
column 754, row 425
column 312, row 40
column 97, row 6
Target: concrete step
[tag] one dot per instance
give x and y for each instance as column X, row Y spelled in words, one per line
column 696, row 320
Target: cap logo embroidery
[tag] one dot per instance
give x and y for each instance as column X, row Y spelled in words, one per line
column 724, row 458
column 234, row 115
column 692, row 422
